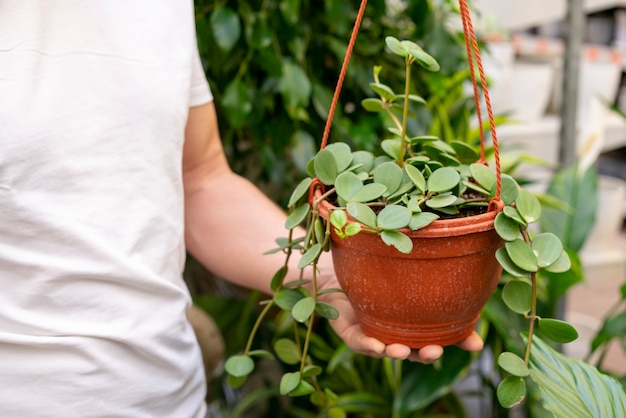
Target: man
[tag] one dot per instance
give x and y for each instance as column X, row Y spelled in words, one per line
column 100, row 104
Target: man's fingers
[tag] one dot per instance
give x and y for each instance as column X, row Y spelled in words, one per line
column 472, row 343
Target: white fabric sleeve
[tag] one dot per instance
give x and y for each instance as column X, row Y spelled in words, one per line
column 200, row 92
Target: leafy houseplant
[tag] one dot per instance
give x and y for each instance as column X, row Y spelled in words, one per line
column 417, row 182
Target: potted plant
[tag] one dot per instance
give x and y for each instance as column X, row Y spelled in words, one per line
column 419, row 196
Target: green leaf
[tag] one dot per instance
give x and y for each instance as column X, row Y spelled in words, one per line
column 441, row 201
column 277, row 279
column 422, row 219
column 310, row 256
column 521, row 254
column 352, row 228
column 239, row 366
column 514, row 215
column 363, row 158
column 287, row 351
column 511, row 391
column 369, row 193
column 506, row 227
column 561, row 265
column 297, row 216
column 390, row 175
column 287, row 298
column 338, row 219
column 342, row 153
column 394, row 217
column 326, row 310
column 303, row 309
column 289, row 382
column 416, row 177
column 528, row 206
column 362, row 213
column 226, row 27
column 507, row 264
column 383, row 91
column 396, row 46
column 443, row 179
column 347, row 184
column 398, row 240
column 424, row 59
column 557, row 330
column 372, row 104
column 237, row 103
column 392, row 147
column 518, row 296
column 300, row 191
column 513, row 364
column 294, row 85
column 304, row 388
column 465, row 152
column 325, row 167
column 311, row 370
column 573, row 388
column 483, row 175
column 547, row 248
column 509, row 191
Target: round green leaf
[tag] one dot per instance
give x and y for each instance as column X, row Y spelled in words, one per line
column 561, row 265
column 304, row 388
column 514, row 215
column 347, row 184
column 425, row 60
column 398, row 240
column 297, row 216
column 422, row 219
column 325, row 167
column 506, row 227
column 352, row 229
column 368, row 193
column 287, row 351
column 303, row 309
column 517, row 295
column 528, row 206
column 364, row 159
column 513, row 364
column 396, row 46
column 465, row 152
column 557, row 330
column 338, row 219
column 342, row 154
column 310, row 255
column 416, row 177
column 226, row 27
column 236, row 382
column 278, row 278
column 311, row 370
column 521, row 254
column 443, row 179
column 441, row 201
column 300, row 191
column 287, row 298
column 383, row 91
column 483, row 175
column 548, row 248
column 372, row 104
column 362, row 213
column 326, row 310
column 509, row 190
column 511, row 391
column 390, row 175
column 394, row 217
column 391, row 147
column 507, row 264
column 289, row 382
column 239, row 366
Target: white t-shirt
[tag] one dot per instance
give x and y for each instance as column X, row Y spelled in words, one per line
column 94, row 96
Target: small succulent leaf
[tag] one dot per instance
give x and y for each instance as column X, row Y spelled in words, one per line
column 401, row 191
column 398, row 240
column 347, row 184
column 369, row 192
column 417, row 99
column 391, row 147
column 513, row 364
column 396, row 46
column 390, row 175
column 424, row 59
column 475, row 187
column 522, row 255
column 287, row 351
column 547, row 248
column 466, row 153
column 507, row 264
column 441, row 201
column 304, row 388
column 383, row 91
column 517, row 295
column 300, row 191
column 310, row 255
column 338, row 218
column 311, row 371
column 326, row 310
column 320, row 233
column 413, row 204
column 561, row 265
column 362, row 213
column 303, row 309
column 509, row 190
column 422, row 219
column 287, row 298
column 325, row 166
column 363, row 158
column 352, row 228
column 239, row 365
column 511, row 391
column 557, row 330
column 277, row 279
column 236, row 382
column 442, row 146
column 483, row 175
column 394, row 217
column 372, row 104
column 297, row 216
column 342, row 153
column 289, row 382
column 443, row 179
column 514, row 214
column 416, row 177
column 506, row 227
column 261, row 354
column 528, row 206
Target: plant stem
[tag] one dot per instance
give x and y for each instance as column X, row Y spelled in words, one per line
column 533, row 307
column 256, row 326
column 405, row 110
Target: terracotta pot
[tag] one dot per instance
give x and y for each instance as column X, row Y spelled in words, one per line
column 434, row 295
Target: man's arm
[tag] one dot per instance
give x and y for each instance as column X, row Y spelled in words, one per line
column 229, row 224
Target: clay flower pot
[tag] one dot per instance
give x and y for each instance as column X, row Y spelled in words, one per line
column 435, row 294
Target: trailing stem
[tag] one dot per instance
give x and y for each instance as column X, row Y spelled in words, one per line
column 405, row 110
column 533, row 307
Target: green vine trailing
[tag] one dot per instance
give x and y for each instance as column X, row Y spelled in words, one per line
column 414, row 181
